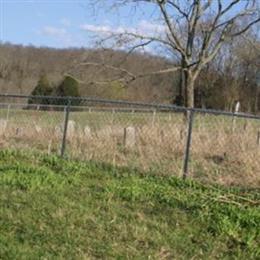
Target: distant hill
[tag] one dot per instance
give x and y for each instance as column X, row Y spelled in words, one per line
column 21, row 67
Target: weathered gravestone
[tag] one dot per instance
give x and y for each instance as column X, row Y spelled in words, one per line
column 129, row 137
column 38, row 129
column 71, row 129
column 58, row 130
column 19, row 132
column 3, row 125
column 87, row 132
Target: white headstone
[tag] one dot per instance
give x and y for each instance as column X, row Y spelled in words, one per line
column 19, row 132
column 3, row 124
column 129, row 137
column 71, row 130
column 87, row 131
column 237, row 107
column 58, row 130
column 38, row 129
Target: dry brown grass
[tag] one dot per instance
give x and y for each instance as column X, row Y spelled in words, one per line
column 219, row 153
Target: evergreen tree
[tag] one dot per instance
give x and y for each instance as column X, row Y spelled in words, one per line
column 42, row 88
column 69, row 87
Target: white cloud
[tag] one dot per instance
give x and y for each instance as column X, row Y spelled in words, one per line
column 148, row 27
column 105, row 29
column 143, row 28
column 96, row 28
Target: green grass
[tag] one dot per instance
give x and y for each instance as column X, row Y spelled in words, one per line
column 85, row 117
column 56, row 209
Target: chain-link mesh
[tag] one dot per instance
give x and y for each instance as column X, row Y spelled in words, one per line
column 145, row 139
column 224, row 148
column 28, row 126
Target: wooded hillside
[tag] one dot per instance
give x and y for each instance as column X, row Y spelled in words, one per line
column 231, row 77
column 21, row 67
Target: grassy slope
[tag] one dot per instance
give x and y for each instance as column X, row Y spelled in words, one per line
column 51, row 208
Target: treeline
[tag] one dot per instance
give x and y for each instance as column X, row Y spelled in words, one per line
column 21, row 67
column 230, row 77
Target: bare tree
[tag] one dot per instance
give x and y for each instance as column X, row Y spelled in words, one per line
column 191, row 32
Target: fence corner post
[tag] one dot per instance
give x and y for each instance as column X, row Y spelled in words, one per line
column 188, row 144
column 65, row 128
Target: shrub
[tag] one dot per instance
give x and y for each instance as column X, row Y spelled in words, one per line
column 69, row 87
column 42, row 88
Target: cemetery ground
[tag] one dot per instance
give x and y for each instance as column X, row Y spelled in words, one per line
column 67, row 209
column 224, row 150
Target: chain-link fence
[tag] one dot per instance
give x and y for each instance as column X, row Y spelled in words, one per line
column 208, row 145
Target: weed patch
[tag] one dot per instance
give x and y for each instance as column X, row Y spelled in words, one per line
column 54, row 208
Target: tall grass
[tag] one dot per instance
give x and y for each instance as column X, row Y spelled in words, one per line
column 221, row 152
column 65, row 209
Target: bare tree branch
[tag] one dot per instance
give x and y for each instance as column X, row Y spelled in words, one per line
column 176, row 40
column 130, row 76
column 246, row 28
column 194, row 29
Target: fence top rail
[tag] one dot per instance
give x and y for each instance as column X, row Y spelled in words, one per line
column 98, row 101
column 224, row 113
column 135, row 104
column 14, row 105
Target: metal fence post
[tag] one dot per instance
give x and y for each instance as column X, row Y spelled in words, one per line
column 188, row 145
column 65, row 128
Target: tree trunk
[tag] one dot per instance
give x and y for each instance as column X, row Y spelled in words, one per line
column 186, row 85
column 179, row 94
column 189, row 90
column 256, row 100
column 180, row 97
column 190, row 94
